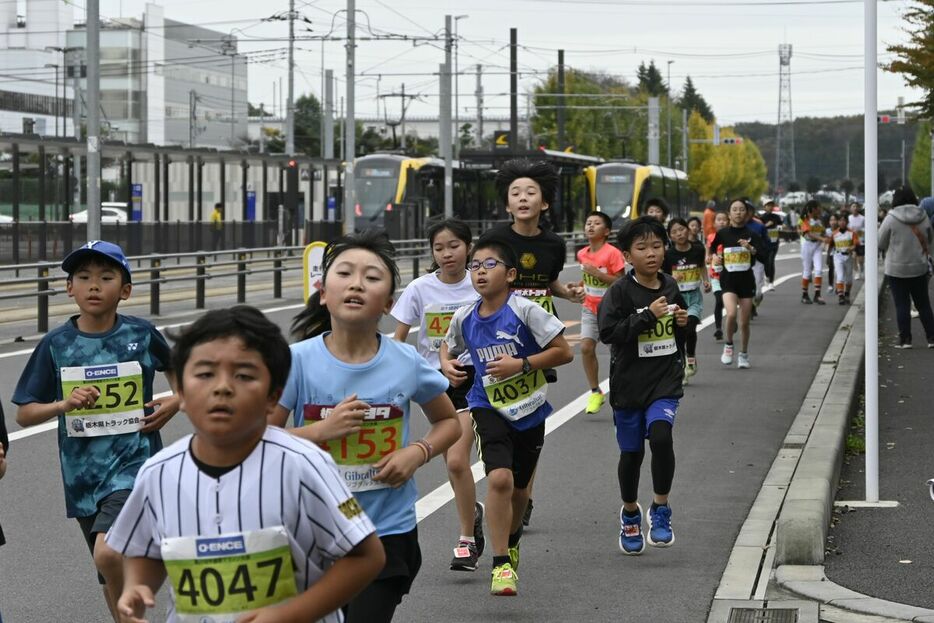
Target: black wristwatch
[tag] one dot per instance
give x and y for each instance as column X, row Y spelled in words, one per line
column 526, row 366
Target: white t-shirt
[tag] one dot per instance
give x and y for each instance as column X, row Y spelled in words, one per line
column 857, row 222
column 430, row 304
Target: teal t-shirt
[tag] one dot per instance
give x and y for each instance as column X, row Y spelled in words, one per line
column 93, row 467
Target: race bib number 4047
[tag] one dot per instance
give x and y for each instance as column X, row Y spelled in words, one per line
column 220, row 578
column 118, row 409
column 380, row 434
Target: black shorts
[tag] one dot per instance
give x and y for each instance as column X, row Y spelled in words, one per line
column 100, row 522
column 458, row 395
column 741, row 284
column 377, row 602
column 860, row 250
column 499, row 445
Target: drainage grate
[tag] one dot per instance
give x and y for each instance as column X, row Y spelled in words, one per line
column 763, row 615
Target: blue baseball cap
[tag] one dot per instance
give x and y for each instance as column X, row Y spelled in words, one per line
column 102, row 248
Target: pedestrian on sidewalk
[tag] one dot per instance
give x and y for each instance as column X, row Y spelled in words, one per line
column 906, row 237
column 217, row 227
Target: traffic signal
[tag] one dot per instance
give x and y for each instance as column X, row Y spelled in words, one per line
column 733, row 140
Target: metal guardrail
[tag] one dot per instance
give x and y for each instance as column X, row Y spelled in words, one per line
column 245, row 262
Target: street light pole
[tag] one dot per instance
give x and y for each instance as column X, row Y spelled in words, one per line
column 57, row 102
column 669, row 112
column 457, row 79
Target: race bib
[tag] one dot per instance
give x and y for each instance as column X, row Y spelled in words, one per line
column 220, row 578
column 843, row 244
column 539, row 296
column 736, row 259
column 660, row 339
column 437, row 320
column 773, row 234
column 593, row 286
column 380, row 434
column 517, row 396
column 688, row 277
column 119, row 408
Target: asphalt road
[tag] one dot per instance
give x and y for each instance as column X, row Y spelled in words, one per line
column 729, row 428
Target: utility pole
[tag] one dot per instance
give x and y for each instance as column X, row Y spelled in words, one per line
column 328, row 114
column 848, row 160
column 233, row 115
column 289, row 109
column 94, row 119
column 262, row 129
column 668, row 89
column 904, row 181
column 513, row 91
column 76, row 122
column 479, row 95
column 653, row 131
column 684, row 139
column 193, row 118
column 444, row 142
column 562, row 141
column 350, row 128
column 457, row 80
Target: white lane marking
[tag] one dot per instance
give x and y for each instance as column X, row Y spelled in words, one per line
column 431, row 502
column 53, row 424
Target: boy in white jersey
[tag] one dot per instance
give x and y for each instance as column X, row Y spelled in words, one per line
column 249, row 523
column 844, row 242
column 511, row 342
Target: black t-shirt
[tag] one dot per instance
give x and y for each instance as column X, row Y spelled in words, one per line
column 772, row 222
column 685, row 263
column 212, row 471
column 541, row 257
column 645, row 363
column 728, row 238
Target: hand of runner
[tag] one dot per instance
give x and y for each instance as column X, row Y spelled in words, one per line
column 659, row 306
column 2, row 461
column 575, row 292
column 271, row 614
column 133, row 603
column 590, row 269
column 681, row 317
column 503, row 367
column 707, row 287
column 345, row 418
column 452, row 369
column 167, row 407
column 80, row 398
column 395, row 469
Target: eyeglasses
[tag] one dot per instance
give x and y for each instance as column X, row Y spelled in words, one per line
column 489, row 264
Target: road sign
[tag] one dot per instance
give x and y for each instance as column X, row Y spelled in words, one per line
column 313, row 267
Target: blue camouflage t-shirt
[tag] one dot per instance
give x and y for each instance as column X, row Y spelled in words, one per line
column 95, row 467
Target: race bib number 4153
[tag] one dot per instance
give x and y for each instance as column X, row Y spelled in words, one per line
column 118, row 409
column 219, row 578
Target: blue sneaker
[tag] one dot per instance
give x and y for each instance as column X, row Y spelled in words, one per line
column 631, row 541
column 660, row 534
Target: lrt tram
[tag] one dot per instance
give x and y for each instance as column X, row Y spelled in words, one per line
column 620, row 190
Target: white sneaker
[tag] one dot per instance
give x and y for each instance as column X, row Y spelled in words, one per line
column 727, row 357
column 742, row 361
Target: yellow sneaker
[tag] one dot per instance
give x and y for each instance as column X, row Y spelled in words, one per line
column 504, row 581
column 594, row 402
column 514, row 557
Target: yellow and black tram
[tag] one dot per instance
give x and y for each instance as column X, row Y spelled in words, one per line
column 620, row 189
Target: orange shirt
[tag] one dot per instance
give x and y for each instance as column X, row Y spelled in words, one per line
column 608, row 260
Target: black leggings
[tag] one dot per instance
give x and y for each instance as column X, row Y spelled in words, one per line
column 663, row 464
column 687, row 339
column 377, row 602
column 718, row 309
column 770, row 264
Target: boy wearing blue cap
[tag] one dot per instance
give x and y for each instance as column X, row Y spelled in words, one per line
column 94, row 374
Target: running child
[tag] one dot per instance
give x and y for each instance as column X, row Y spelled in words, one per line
column 429, row 302
column 771, row 218
column 845, row 241
column 638, row 319
column 284, row 540
column 349, row 391
column 812, row 247
column 94, row 374
column 736, row 248
column 511, row 342
column 657, row 208
column 685, row 260
column 694, row 224
column 602, row 264
column 828, row 238
column 758, row 268
column 720, row 221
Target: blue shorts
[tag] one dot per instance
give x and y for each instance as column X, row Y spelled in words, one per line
column 695, row 302
column 632, row 425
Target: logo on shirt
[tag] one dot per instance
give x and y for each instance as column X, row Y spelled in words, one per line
column 502, row 335
column 100, row 372
column 221, row 546
column 350, row 508
column 132, row 346
column 490, row 353
column 528, row 261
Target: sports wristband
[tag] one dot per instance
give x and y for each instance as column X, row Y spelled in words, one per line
column 429, row 450
column 423, row 449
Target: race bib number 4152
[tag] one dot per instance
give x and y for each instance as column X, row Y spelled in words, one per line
column 118, row 409
column 219, row 578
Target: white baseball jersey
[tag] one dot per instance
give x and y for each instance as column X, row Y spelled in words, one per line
column 286, row 489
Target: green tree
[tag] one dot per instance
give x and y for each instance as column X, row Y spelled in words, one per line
column 691, row 100
column 920, row 173
column 257, row 111
column 308, row 125
column 650, row 79
column 915, row 60
column 722, row 171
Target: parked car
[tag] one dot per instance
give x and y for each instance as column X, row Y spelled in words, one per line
column 109, row 214
column 5, row 219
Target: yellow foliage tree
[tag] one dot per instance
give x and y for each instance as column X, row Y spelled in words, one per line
column 723, row 171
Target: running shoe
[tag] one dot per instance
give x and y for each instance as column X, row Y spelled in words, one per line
column 594, row 402
column 718, row 335
column 527, row 515
column 805, row 298
column 514, row 557
column 690, row 367
column 819, row 300
column 660, row 533
column 504, row 581
column 841, row 299
column 903, row 345
column 727, row 357
column 631, row 540
column 478, row 527
column 742, row 361
column 465, row 557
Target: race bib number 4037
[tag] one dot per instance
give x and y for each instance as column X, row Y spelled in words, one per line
column 219, row 578
column 118, row 409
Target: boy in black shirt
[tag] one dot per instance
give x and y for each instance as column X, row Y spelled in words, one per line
column 637, row 318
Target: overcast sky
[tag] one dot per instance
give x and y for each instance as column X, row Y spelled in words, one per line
column 728, row 47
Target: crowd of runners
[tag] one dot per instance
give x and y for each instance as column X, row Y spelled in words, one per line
column 293, row 499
